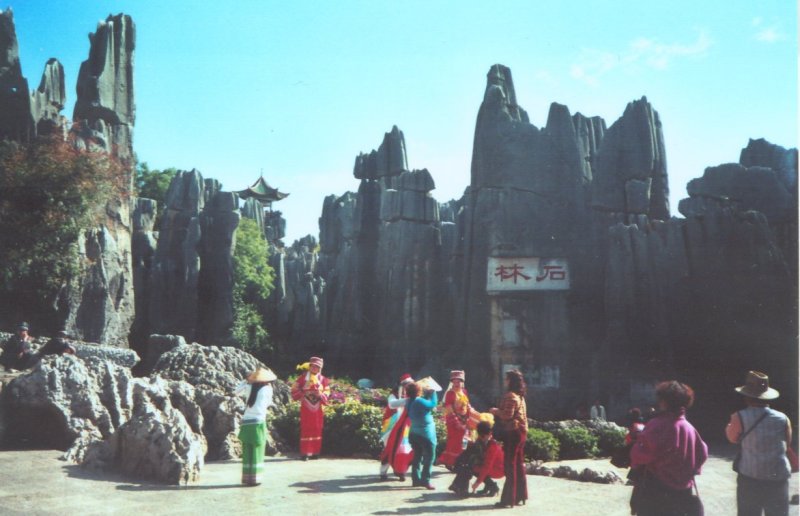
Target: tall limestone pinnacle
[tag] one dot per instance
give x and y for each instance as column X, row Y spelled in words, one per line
column 16, row 122
column 105, row 107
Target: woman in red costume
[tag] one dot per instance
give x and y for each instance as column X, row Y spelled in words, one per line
column 397, row 451
column 456, row 416
column 312, row 389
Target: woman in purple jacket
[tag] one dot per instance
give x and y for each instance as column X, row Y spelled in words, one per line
column 672, row 452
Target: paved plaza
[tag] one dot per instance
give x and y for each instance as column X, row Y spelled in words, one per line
column 37, row 482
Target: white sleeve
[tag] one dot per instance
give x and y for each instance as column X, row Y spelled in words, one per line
column 266, row 391
column 395, row 403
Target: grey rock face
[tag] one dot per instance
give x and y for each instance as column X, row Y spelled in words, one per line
column 105, row 104
column 176, row 264
column 121, row 357
column 214, row 372
column 632, row 150
column 218, row 223
column 143, row 249
column 49, row 99
column 98, row 305
column 16, row 122
column 191, row 276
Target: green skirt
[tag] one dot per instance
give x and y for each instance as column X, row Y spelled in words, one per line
column 253, row 437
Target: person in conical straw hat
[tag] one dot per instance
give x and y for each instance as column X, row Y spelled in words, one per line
column 456, row 416
column 312, row 390
column 257, row 388
column 764, row 435
column 397, row 451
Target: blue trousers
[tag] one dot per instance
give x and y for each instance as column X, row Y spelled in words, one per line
column 423, row 459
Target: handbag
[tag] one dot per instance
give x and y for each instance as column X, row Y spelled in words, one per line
column 621, row 457
column 735, row 465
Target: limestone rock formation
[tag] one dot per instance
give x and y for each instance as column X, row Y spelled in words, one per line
column 16, row 122
column 143, row 249
column 214, row 372
column 49, row 99
column 176, row 264
column 105, row 107
column 99, row 304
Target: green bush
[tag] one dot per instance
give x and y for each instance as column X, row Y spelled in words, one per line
column 441, row 434
column 576, row 443
column 610, row 440
column 541, row 445
column 285, row 421
column 350, row 428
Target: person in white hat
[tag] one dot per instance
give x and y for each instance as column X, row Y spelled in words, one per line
column 253, row 430
column 763, row 434
column 312, row 390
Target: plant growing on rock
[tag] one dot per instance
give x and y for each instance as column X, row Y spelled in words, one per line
column 49, row 193
column 252, row 284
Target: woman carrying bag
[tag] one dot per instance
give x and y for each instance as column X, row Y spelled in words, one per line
column 511, row 424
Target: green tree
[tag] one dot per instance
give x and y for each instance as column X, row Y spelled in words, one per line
column 252, row 284
column 49, row 192
column 153, row 184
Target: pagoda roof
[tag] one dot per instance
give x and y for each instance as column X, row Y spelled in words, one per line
column 261, row 191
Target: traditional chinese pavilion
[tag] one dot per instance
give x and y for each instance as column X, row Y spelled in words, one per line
column 261, row 191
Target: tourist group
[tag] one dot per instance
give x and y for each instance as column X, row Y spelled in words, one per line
column 665, row 453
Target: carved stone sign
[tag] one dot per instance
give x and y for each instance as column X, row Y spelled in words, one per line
column 519, row 274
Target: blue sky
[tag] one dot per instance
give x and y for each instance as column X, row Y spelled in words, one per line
column 299, row 88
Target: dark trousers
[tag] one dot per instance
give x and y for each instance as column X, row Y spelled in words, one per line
column 464, row 474
column 753, row 496
column 652, row 498
column 515, row 488
column 423, row 459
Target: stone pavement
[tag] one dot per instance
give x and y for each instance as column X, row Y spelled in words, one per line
column 36, row 482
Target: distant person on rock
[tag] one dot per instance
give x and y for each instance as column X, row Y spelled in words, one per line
column 397, row 451
column 253, row 430
column 764, row 435
column 456, row 415
column 483, row 459
column 597, row 411
column 671, row 452
column 17, row 349
column 312, row 390
column 56, row 346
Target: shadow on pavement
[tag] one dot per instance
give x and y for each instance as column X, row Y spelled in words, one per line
column 158, row 487
column 351, row 484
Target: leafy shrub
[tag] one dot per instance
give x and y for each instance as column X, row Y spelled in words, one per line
column 541, row 445
column 153, row 184
column 352, row 428
column 576, row 443
column 610, row 440
column 285, row 421
column 252, row 283
column 441, row 434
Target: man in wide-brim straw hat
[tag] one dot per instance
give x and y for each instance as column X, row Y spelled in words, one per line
column 764, row 435
column 257, row 387
column 312, row 390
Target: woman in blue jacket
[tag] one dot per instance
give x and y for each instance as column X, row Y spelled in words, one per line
column 422, row 435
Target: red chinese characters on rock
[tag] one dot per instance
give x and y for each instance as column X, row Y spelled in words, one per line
column 512, row 272
column 553, row 273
